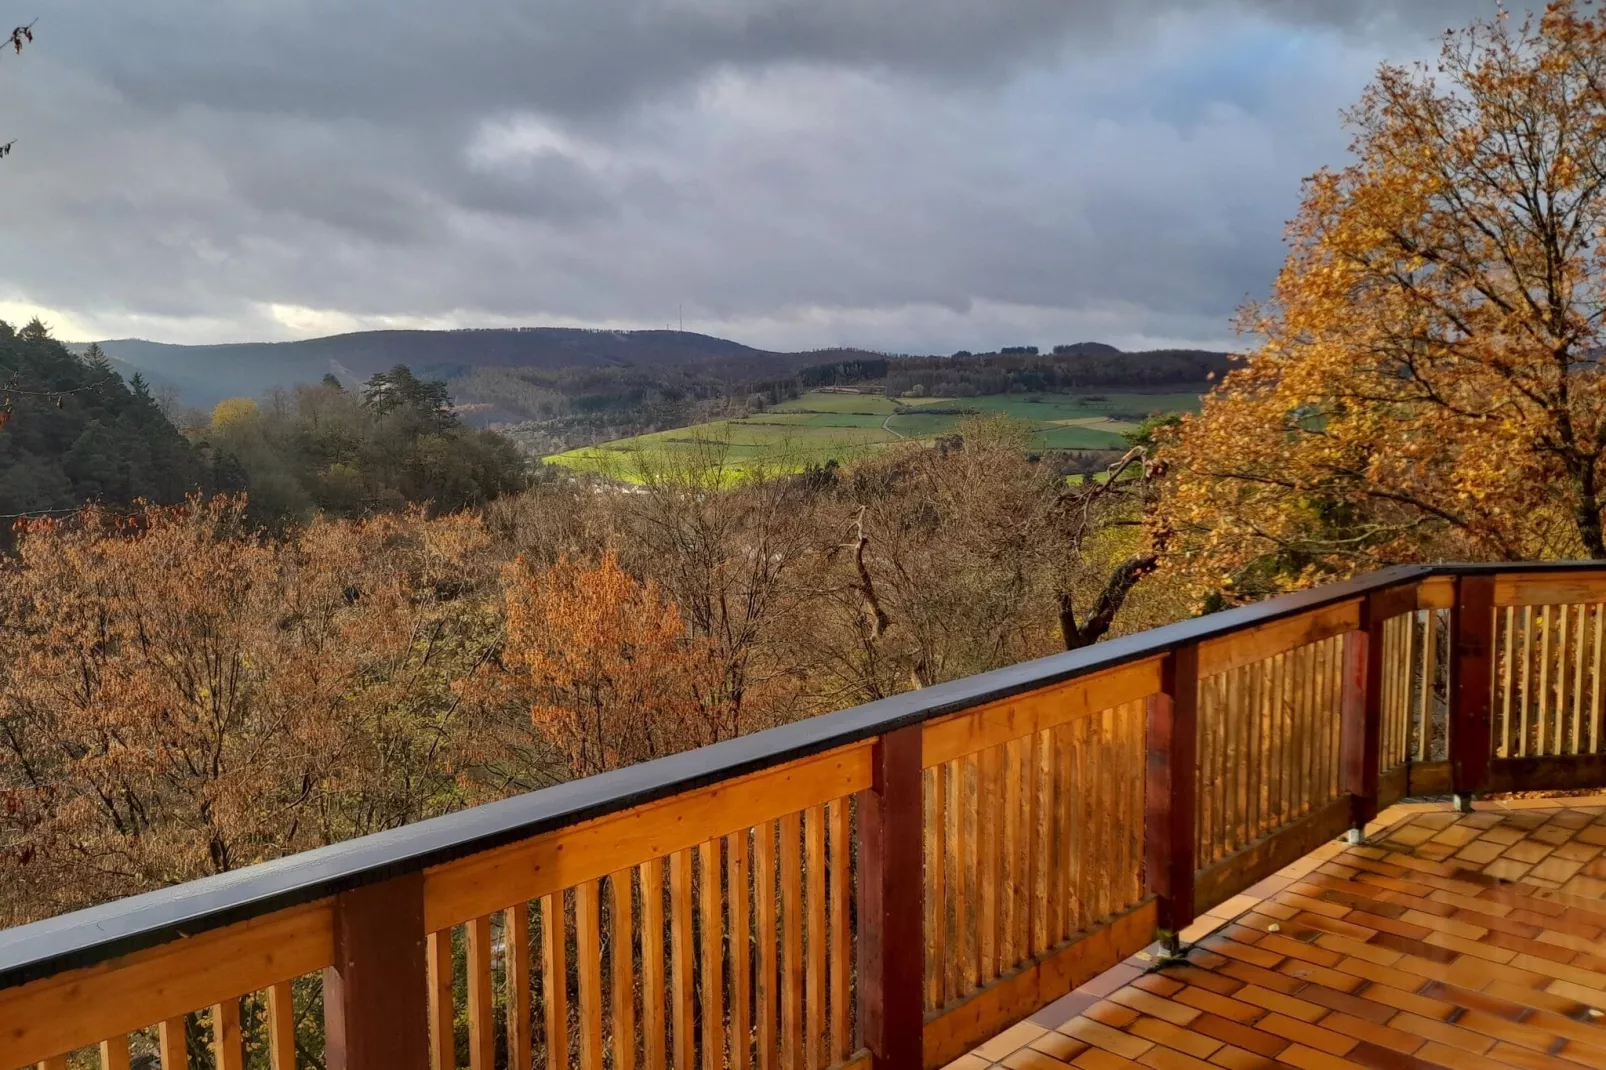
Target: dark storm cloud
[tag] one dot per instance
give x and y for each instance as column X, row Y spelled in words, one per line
column 906, row 173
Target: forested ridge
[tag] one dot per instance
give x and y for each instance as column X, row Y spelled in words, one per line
column 72, row 431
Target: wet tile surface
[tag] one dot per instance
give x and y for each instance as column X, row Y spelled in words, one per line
column 1458, row 941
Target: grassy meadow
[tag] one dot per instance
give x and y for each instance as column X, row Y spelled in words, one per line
column 824, row 425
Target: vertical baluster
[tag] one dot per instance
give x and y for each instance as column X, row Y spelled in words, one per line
column 1526, row 675
column 1022, row 879
column 554, row 980
column 1058, row 836
column 481, row 1021
column 653, row 1017
column 988, row 847
column 739, row 879
column 936, row 922
column 712, row 956
column 680, row 958
column 114, row 1054
column 814, row 863
column 1545, row 703
column 841, row 938
column 227, row 1053
column 1115, row 809
column 170, row 1044
column 1577, row 687
column 1279, row 716
column 1562, row 650
column 442, row 1015
column 792, row 947
column 1255, row 765
column 1036, row 848
column 281, row 1029
column 1102, row 796
column 953, row 958
column 768, row 941
column 516, row 980
column 588, row 961
column 1430, row 652
column 1595, row 683
column 622, row 953
column 1508, row 616
column 1217, row 701
column 1081, row 849
column 1316, row 714
column 1008, row 952
column 713, row 982
column 1386, row 743
column 964, row 812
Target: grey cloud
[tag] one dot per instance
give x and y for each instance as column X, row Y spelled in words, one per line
column 904, row 171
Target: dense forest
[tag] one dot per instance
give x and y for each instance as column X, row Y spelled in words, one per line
column 323, row 448
column 1068, row 370
column 254, row 693
column 72, row 431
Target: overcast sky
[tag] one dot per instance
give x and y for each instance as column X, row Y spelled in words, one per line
column 914, row 175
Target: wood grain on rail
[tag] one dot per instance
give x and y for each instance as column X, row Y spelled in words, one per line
column 947, row 738
column 493, row 880
column 79, row 1007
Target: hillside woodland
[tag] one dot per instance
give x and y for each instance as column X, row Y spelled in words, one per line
column 72, row 431
column 183, row 692
column 326, row 449
column 1429, row 384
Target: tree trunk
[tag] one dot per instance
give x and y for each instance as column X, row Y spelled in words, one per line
column 1109, row 602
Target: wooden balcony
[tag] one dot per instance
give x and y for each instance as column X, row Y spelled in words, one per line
column 1447, row 940
column 892, row 885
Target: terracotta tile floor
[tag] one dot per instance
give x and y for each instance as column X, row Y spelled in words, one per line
column 1464, row 942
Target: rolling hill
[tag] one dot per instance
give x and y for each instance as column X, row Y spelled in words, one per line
column 205, row 374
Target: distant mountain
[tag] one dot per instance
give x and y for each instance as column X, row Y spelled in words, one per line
column 1086, row 349
column 206, row 374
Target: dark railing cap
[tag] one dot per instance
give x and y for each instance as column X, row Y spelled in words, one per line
column 100, row 933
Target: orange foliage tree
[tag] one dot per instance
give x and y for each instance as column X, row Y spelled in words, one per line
column 179, row 696
column 614, row 676
column 1429, row 384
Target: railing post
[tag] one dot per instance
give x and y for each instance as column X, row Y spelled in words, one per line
column 1171, row 793
column 1472, row 685
column 376, row 995
column 1361, row 716
column 892, row 909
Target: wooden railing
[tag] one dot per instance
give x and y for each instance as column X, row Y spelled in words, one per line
column 888, row 885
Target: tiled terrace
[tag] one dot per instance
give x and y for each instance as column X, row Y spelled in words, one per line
column 1463, row 942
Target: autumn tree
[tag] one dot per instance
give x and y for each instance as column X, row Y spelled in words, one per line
column 724, row 542
column 943, row 562
column 612, row 675
column 181, row 696
column 1428, row 381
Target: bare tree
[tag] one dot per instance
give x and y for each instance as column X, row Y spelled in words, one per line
column 22, row 35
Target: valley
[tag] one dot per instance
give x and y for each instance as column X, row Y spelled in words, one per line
column 841, row 425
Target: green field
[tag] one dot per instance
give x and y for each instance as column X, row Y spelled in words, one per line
column 823, row 425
